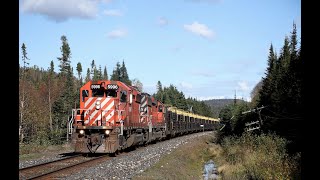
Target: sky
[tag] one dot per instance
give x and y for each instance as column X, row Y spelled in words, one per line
column 208, row 49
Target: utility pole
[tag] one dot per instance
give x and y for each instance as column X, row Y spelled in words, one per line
column 259, row 122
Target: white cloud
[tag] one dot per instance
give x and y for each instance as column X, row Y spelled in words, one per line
column 117, row 33
column 201, row 98
column 61, row 10
column 199, row 29
column 113, row 12
column 243, row 86
column 162, row 21
column 185, row 85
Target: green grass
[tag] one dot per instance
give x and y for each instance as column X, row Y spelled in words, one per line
column 35, row 151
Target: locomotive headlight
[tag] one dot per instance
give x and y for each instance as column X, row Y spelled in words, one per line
column 98, row 104
column 81, row 132
column 107, row 132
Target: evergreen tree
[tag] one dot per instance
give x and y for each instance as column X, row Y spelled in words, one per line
column 79, row 70
column 100, row 73
column 124, row 74
column 105, row 73
column 23, row 96
column 116, row 74
column 267, row 82
column 159, row 93
column 51, row 72
column 88, row 77
column 68, row 97
column 94, row 71
column 65, row 58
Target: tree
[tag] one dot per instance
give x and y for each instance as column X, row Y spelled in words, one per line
column 65, row 58
column 116, row 74
column 94, row 71
column 67, row 100
column 88, row 78
column 267, row 87
column 22, row 101
column 105, row 73
column 124, row 74
column 138, row 84
column 79, row 70
column 159, row 93
column 99, row 73
column 51, row 72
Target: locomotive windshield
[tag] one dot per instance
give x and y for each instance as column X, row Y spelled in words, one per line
column 111, row 93
column 104, row 93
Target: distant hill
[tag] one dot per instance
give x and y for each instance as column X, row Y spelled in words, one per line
column 217, row 104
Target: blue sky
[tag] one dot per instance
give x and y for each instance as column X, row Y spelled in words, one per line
column 208, row 49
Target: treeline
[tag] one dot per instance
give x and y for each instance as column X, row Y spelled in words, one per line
column 277, row 100
column 47, row 96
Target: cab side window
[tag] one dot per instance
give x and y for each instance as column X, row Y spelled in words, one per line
column 85, row 93
column 123, row 96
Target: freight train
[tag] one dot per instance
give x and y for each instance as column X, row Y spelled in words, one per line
column 114, row 116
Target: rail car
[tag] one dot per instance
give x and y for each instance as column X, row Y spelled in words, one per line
column 114, row 116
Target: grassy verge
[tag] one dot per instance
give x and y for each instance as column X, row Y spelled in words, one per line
column 256, row 157
column 34, row 151
column 185, row 162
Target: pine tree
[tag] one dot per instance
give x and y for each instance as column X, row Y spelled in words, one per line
column 68, row 96
column 22, row 101
column 105, row 73
column 116, row 74
column 94, row 71
column 51, row 72
column 65, row 58
column 267, row 82
column 88, row 78
column 159, row 93
column 124, row 74
column 79, row 70
column 99, row 73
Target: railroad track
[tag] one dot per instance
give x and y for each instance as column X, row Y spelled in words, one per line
column 59, row 168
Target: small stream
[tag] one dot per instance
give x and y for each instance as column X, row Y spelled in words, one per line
column 210, row 171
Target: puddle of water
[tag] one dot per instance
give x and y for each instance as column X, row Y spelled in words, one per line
column 210, row 171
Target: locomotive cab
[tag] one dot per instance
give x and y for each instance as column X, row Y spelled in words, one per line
column 100, row 121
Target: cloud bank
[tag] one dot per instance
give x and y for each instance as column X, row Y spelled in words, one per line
column 62, row 10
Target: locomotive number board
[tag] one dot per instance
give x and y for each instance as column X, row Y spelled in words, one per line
column 112, row 86
column 95, row 86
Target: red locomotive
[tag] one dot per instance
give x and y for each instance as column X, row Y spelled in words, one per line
column 114, row 116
